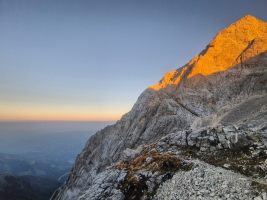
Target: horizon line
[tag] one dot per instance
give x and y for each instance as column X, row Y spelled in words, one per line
column 56, row 120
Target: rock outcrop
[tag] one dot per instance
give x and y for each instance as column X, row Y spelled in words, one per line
column 206, row 120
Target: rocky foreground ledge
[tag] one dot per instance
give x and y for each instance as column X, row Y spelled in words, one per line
column 214, row 163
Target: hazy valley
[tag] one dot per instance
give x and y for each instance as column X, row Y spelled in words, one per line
column 36, row 157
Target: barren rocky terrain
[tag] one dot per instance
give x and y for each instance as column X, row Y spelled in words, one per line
column 200, row 133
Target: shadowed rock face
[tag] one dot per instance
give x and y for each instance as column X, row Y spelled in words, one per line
column 226, row 84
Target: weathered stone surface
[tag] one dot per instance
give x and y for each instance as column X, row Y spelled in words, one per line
column 103, row 186
column 205, row 182
column 171, row 173
column 129, row 154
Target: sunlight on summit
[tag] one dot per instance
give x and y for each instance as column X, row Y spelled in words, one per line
column 229, row 48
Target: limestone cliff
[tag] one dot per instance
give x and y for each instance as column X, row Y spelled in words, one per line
column 225, row 86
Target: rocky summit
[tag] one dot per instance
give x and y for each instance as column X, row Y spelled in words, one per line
column 200, row 133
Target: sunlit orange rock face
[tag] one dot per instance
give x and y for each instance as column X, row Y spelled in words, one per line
column 235, row 44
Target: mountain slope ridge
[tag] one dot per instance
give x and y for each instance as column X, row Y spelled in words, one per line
column 187, row 98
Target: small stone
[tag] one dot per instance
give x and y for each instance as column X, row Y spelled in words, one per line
column 226, row 166
column 212, row 148
column 219, row 146
column 149, row 159
column 258, row 198
column 211, row 138
column 229, row 129
column 246, row 191
column 264, row 196
column 212, row 194
column 203, row 149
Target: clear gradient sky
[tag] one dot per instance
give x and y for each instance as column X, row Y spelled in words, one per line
column 90, row 60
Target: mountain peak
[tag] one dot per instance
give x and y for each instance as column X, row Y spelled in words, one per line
column 248, row 34
column 248, row 18
column 245, row 28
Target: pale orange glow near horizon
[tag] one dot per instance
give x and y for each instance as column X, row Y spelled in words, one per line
column 58, row 113
column 58, row 118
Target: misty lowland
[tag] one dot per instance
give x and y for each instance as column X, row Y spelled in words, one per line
column 92, row 121
column 36, row 157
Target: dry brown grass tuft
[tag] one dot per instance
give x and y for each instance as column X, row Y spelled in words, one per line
column 160, row 162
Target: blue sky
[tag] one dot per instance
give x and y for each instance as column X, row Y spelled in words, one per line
column 91, row 59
